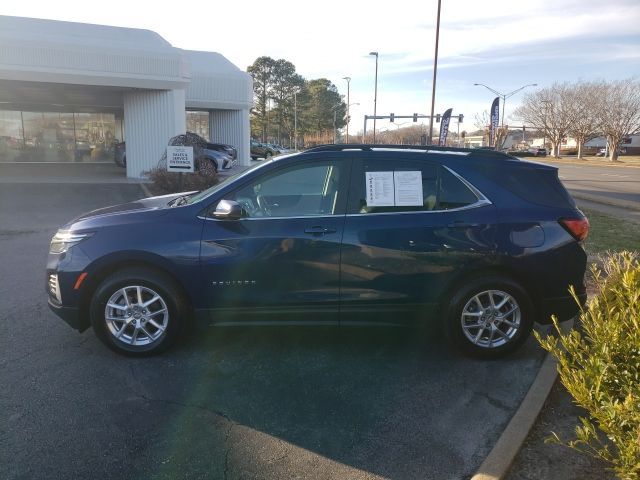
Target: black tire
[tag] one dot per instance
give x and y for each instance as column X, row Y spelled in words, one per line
column 490, row 321
column 268, row 155
column 151, row 282
column 253, row 157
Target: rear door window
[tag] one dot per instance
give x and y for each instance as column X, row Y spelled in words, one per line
column 406, row 186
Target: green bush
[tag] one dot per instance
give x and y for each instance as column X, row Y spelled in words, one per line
column 599, row 364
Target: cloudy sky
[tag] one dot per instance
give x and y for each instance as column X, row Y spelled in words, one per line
column 502, row 43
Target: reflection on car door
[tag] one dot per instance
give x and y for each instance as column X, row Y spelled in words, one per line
column 282, row 261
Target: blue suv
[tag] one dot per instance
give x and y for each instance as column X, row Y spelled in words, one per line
column 479, row 241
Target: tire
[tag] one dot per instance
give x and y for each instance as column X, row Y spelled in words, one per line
column 254, row 157
column 499, row 307
column 268, row 155
column 140, row 330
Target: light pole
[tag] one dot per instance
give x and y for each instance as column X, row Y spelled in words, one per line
column 375, row 97
column 335, row 114
column 295, row 119
column 348, row 79
column 504, row 96
column 435, row 72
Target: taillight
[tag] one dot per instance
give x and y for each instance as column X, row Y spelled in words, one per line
column 577, row 227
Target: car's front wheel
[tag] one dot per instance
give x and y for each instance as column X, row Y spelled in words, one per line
column 489, row 317
column 138, row 312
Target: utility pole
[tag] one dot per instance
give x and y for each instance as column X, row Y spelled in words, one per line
column 375, row 98
column 348, row 79
column 435, row 73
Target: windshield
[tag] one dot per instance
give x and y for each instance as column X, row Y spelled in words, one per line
column 223, row 182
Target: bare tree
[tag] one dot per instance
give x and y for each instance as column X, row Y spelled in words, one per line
column 482, row 121
column 620, row 113
column 585, row 110
column 548, row 110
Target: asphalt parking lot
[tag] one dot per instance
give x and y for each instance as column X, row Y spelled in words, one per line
column 266, row 403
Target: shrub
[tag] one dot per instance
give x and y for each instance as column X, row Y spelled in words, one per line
column 171, row 182
column 600, row 367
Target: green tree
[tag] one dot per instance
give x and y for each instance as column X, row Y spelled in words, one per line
column 325, row 109
column 285, row 83
column 262, row 71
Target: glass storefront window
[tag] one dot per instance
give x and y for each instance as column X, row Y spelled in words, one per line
column 198, row 122
column 56, row 136
column 48, row 137
column 95, row 135
column 10, row 136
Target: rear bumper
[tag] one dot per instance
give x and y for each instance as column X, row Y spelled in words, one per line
column 70, row 315
column 563, row 308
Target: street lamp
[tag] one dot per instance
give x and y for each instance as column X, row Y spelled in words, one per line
column 348, row 79
column 375, row 97
column 504, row 96
column 295, row 119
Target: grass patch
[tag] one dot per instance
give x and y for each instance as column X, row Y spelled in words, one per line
column 608, row 233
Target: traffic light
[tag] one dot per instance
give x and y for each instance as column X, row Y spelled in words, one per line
column 437, row 118
column 391, row 117
column 415, row 117
column 460, row 118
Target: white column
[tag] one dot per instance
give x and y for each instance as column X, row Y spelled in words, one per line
column 151, row 118
column 232, row 127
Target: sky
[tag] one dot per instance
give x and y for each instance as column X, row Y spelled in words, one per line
column 504, row 44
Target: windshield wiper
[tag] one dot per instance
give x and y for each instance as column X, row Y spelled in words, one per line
column 178, row 201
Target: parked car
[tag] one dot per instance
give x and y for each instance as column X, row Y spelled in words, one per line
column 223, row 157
column 478, row 240
column 538, row 151
column 262, row 150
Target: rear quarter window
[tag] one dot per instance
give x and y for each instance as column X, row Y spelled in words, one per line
column 535, row 185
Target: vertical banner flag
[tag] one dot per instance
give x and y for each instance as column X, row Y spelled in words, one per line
column 495, row 115
column 444, row 128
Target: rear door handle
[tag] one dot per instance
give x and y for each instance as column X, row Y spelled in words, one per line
column 458, row 224
column 319, row 230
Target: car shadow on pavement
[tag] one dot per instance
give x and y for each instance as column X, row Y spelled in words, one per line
column 326, row 403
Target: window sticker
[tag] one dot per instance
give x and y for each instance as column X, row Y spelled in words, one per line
column 394, row 189
column 380, row 191
column 408, row 189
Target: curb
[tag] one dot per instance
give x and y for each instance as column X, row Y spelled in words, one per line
column 498, row 462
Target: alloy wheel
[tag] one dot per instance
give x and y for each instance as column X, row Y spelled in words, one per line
column 491, row 318
column 136, row 315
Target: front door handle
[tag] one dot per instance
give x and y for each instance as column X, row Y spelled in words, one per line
column 318, row 230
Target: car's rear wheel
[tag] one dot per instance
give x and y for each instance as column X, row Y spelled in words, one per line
column 489, row 317
column 138, row 312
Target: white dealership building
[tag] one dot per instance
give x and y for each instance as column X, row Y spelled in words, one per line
column 70, row 91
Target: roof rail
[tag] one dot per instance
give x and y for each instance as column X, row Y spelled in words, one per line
column 369, row 147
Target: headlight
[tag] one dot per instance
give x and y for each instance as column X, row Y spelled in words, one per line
column 63, row 240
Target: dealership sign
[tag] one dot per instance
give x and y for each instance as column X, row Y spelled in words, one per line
column 179, row 159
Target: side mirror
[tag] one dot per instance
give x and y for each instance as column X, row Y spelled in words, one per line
column 229, row 210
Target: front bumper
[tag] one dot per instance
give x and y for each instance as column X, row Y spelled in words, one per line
column 70, row 315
